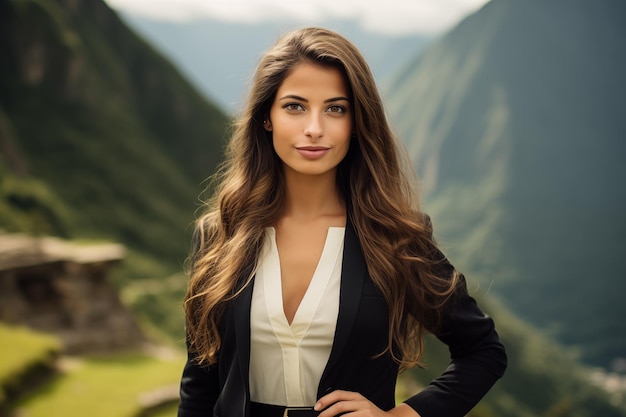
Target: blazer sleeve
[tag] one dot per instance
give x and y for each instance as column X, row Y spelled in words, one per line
column 199, row 389
column 477, row 357
column 478, row 360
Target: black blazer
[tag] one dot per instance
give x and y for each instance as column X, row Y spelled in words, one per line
column 478, row 358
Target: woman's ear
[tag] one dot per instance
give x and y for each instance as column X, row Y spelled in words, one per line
column 267, row 124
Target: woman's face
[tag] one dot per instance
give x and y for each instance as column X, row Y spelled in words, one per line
column 311, row 120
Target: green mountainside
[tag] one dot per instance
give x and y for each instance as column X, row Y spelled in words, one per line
column 100, row 136
column 515, row 121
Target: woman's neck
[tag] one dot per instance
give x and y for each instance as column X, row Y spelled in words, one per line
column 310, row 197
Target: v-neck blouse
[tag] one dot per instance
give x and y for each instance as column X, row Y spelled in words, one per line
column 287, row 361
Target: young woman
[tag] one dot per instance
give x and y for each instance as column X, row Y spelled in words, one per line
column 315, row 276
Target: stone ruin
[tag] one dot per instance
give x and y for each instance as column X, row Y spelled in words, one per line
column 59, row 287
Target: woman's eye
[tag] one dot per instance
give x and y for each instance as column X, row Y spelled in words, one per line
column 336, row 109
column 293, row 107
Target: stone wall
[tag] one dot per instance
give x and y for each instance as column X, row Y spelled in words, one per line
column 70, row 298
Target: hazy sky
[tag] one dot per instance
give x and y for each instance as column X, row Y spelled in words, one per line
column 387, row 16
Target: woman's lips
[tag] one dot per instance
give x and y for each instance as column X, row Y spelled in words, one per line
column 312, row 152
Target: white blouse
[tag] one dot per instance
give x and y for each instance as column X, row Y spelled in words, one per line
column 287, row 361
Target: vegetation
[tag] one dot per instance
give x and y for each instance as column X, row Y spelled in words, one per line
column 28, row 205
column 120, row 147
column 169, row 411
column 158, row 302
column 27, row 352
column 97, row 109
column 102, row 387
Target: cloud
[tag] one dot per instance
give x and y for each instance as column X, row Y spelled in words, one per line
column 389, row 16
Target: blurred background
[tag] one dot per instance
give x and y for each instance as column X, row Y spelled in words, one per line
column 113, row 114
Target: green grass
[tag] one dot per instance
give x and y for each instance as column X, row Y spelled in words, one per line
column 169, row 411
column 102, row 387
column 20, row 351
column 21, row 347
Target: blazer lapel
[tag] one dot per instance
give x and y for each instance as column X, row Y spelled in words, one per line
column 353, row 273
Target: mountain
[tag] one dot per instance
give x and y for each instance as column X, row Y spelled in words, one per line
column 515, row 121
column 101, row 137
column 220, row 56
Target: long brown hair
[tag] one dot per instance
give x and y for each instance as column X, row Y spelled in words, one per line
column 396, row 239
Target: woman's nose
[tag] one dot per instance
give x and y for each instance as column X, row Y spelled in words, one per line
column 314, row 127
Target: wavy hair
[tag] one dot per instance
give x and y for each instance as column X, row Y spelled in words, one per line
column 396, row 238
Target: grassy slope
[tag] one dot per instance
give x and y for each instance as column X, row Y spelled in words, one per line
column 22, row 351
column 102, row 387
column 166, row 412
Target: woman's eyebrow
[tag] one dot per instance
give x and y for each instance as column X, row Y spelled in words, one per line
column 294, row 97
column 340, row 98
column 330, row 100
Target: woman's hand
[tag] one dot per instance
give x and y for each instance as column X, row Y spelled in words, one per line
column 354, row 404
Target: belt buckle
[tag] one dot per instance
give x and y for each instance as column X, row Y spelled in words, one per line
column 297, row 411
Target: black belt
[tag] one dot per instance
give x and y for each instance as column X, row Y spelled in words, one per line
column 269, row 410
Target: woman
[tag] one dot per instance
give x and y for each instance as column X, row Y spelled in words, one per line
column 315, row 276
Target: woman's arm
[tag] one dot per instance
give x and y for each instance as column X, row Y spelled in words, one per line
column 199, row 389
column 478, row 360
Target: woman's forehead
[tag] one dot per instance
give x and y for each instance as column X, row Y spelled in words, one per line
column 314, row 80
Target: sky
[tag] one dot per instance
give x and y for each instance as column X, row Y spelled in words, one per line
column 393, row 17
